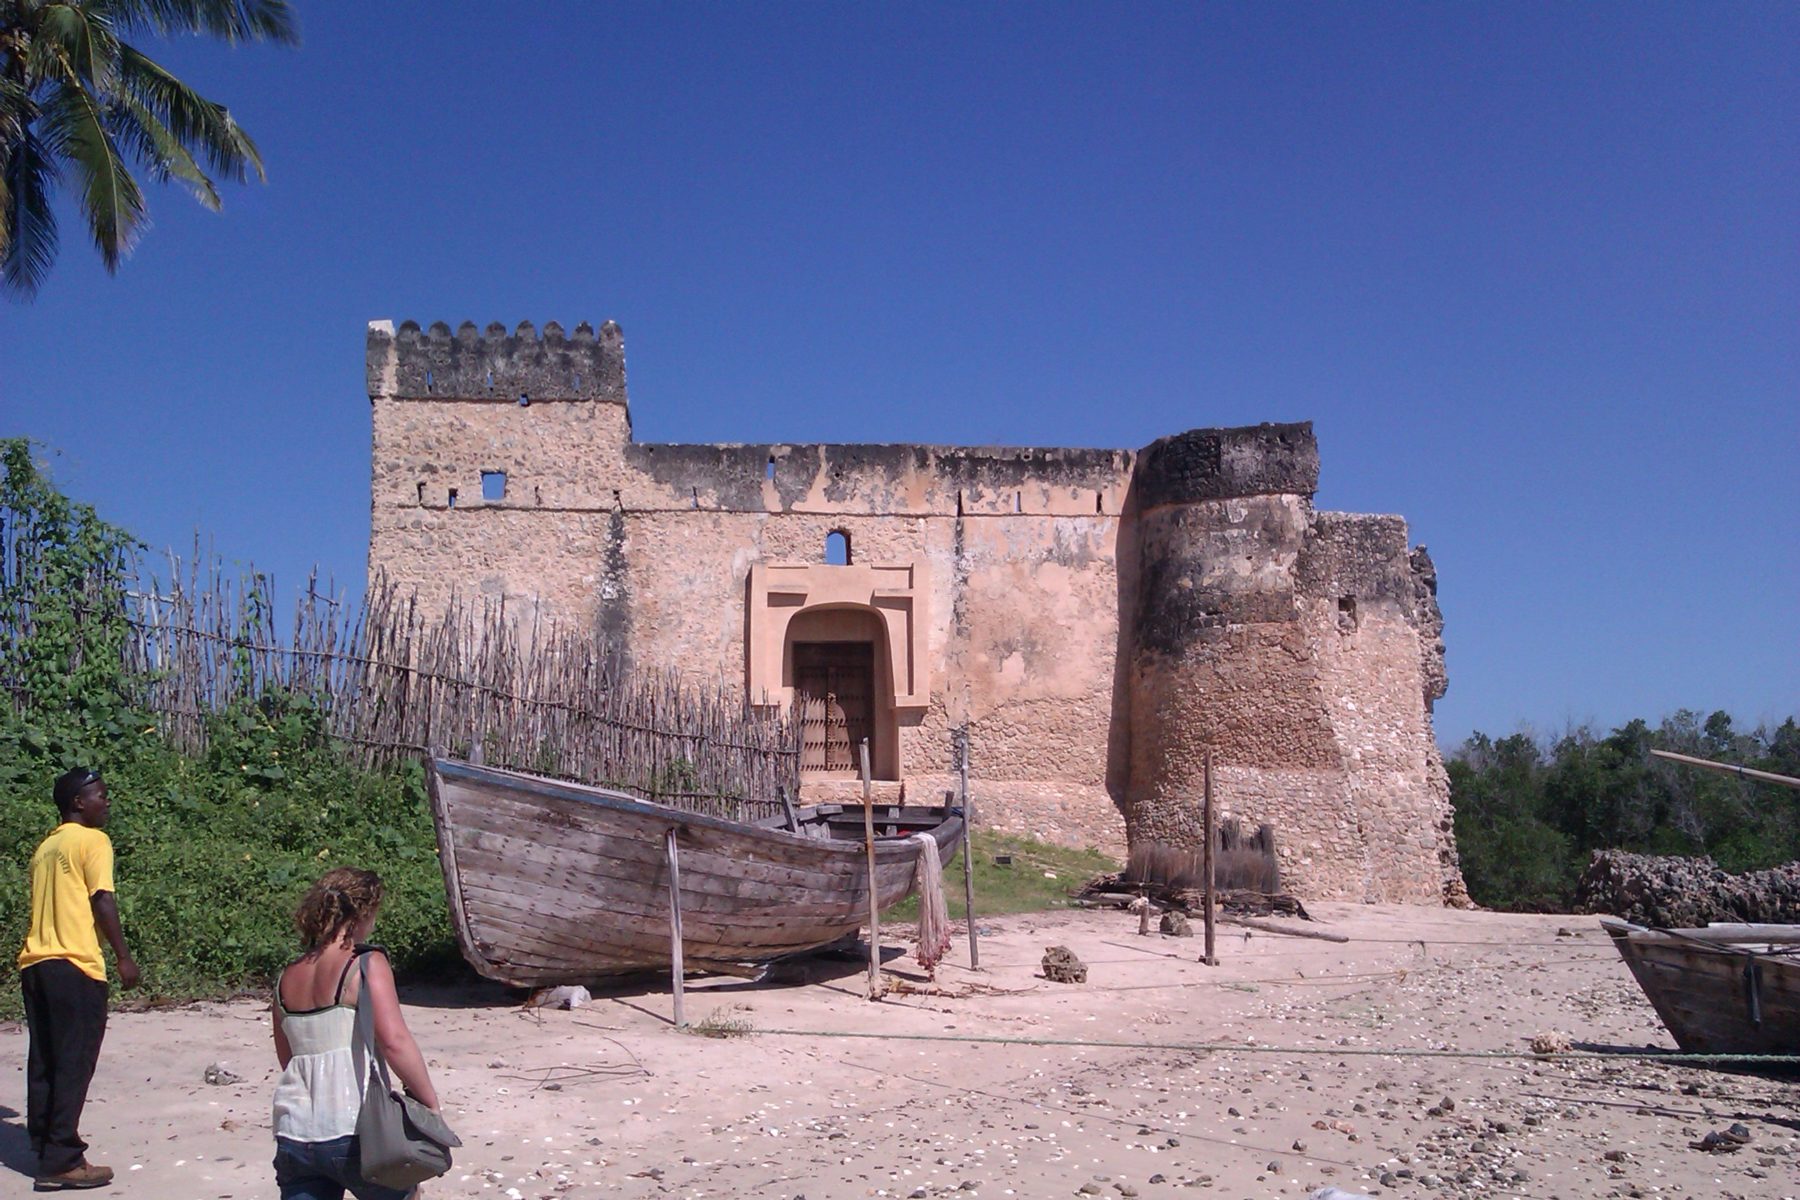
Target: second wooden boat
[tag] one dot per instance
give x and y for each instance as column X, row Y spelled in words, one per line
column 1721, row 989
column 552, row 882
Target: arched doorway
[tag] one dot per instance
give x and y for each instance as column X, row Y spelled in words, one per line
column 836, row 662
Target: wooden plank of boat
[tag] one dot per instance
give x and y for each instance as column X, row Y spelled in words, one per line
column 1716, row 997
column 551, row 882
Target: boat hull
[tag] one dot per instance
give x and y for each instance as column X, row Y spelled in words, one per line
column 552, row 882
column 1713, row 995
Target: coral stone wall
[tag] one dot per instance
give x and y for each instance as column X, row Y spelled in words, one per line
column 1088, row 622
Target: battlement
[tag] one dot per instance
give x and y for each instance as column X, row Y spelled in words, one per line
column 518, row 367
column 1220, row 464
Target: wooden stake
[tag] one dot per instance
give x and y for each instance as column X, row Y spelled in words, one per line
column 1206, row 860
column 675, row 970
column 874, row 906
column 968, row 807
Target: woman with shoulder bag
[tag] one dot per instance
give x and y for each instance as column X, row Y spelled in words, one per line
column 323, row 1082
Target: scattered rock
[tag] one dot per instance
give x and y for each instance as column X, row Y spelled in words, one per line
column 1176, row 925
column 566, row 996
column 1061, row 966
column 220, row 1075
column 1550, row 1043
column 1723, row 1141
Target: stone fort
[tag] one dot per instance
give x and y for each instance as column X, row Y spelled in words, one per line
column 1089, row 623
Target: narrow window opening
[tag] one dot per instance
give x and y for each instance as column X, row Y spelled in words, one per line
column 493, row 486
column 1018, row 502
column 578, row 385
column 959, row 507
column 452, row 500
column 837, row 549
column 1099, row 502
column 696, row 492
column 490, row 379
column 524, row 400
column 428, row 381
column 769, row 472
column 421, row 491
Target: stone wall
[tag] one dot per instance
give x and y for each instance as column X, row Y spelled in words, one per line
column 1091, row 621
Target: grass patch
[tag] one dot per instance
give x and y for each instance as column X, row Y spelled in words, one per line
column 723, row 1022
column 1040, row 877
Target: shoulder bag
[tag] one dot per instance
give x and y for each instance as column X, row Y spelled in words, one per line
column 401, row 1142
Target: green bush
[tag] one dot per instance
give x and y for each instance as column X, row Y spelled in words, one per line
column 213, row 853
column 1529, row 814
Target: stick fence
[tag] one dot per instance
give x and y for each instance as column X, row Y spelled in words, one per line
column 478, row 682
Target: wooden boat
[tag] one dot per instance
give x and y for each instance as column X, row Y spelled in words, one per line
column 1723, row 989
column 552, row 882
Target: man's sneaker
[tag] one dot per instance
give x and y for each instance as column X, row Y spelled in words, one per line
column 86, row 1175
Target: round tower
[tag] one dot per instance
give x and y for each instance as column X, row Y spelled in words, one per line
column 1220, row 659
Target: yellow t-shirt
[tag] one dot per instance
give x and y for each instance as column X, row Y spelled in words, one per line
column 69, row 867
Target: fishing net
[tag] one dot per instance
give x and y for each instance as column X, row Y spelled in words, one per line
column 934, row 914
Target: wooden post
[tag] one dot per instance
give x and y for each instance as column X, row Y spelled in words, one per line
column 874, row 903
column 1208, row 831
column 968, row 848
column 675, row 969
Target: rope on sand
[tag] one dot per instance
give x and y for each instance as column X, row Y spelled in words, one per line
column 1668, row 1056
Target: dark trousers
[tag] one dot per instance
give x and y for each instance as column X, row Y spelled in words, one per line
column 65, row 1011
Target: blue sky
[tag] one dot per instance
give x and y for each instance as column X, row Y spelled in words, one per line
column 1532, row 270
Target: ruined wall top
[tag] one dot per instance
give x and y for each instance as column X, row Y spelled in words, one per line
column 471, row 364
column 1221, row 464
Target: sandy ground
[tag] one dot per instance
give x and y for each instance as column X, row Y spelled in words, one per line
column 998, row 1087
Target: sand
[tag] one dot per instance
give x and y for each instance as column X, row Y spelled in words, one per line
column 810, row 1092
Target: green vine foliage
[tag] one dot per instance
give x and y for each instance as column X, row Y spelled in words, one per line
column 214, row 850
column 62, row 612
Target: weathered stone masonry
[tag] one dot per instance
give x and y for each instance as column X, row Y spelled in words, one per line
column 1093, row 621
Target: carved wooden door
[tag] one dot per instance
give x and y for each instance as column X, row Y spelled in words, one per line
column 834, row 687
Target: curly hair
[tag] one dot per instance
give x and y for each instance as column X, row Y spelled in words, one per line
column 332, row 906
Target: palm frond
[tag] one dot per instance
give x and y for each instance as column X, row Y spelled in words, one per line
column 76, row 39
column 232, row 21
column 163, row 156
column 29, row 221
column 195, row 121
column 75, row 128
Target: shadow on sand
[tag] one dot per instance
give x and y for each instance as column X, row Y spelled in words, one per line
column 15, row 1144
column 831, row 967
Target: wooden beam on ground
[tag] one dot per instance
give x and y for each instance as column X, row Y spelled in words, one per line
column 1287, row 930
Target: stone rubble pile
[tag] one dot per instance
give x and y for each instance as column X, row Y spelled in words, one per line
column 1674, row 893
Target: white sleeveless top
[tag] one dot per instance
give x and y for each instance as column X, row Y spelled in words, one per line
column 318, row 1096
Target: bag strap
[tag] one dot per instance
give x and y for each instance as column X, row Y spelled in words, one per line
column 363, row 1050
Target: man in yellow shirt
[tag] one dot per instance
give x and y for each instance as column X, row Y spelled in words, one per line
column 64, row 978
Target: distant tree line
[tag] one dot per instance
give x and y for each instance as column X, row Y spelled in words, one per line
column 1530, row 811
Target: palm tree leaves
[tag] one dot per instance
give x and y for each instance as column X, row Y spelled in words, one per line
column 79, row 104
column 76, row 128
column 28, row 236
column 190, row 118
column 231, row 21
